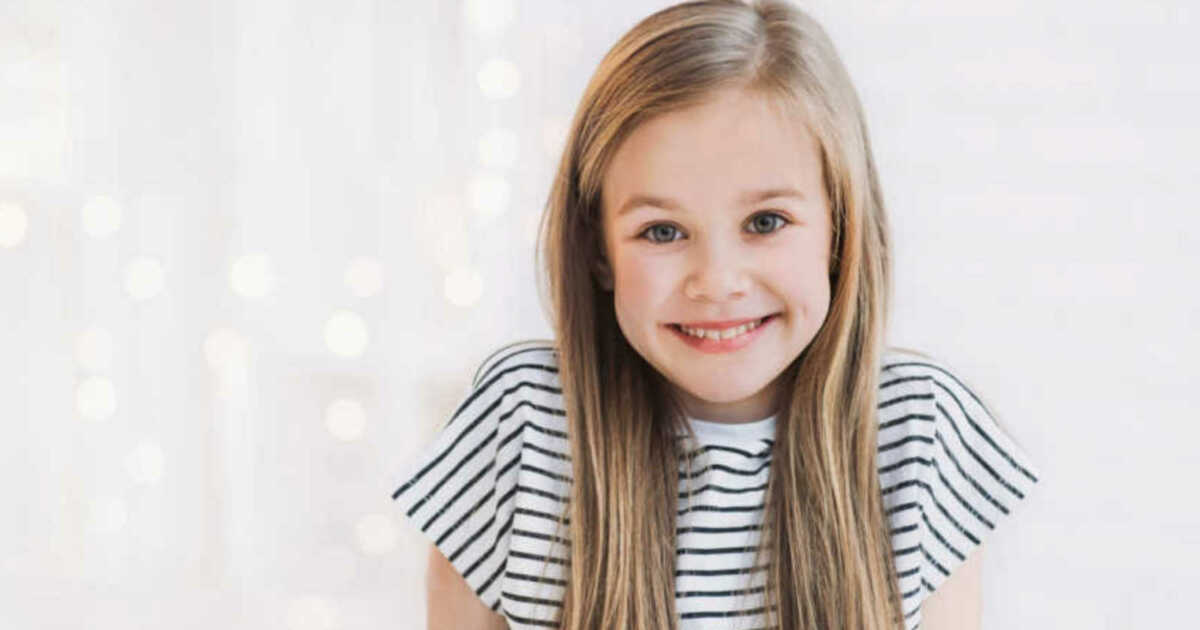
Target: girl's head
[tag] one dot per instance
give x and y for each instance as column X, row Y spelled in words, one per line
column 718, row 213
column 658, row 216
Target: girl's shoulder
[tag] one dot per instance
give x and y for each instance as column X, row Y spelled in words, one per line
column 911, row 362
column 528, row 358
column 939, row 392
column 926, row 400
column 462, row 488
column 950, row 473
column 516, row 374
column 940, row 378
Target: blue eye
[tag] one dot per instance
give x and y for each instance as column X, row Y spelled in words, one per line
column 767, row 226
column 657, row 229
column 666, row 230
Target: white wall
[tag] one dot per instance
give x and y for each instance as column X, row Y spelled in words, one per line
column 228, row 308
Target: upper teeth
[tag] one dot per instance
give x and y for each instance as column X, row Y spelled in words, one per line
column 727, row 333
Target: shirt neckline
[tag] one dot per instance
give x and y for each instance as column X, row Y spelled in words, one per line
column 711, row 430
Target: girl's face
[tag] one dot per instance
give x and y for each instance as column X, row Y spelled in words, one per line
column 690, row 238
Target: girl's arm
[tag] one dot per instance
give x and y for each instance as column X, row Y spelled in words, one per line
column 955, row 605
column 450, row 602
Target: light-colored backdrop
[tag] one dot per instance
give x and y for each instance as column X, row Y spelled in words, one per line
column 251, row 253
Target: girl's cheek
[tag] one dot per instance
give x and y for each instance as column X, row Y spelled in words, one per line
column 799, row 274
column 642, row 275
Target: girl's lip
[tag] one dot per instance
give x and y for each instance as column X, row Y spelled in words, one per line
column 725, row 323
column 717, row 346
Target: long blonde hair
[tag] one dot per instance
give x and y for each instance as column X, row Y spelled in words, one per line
column 824, row 527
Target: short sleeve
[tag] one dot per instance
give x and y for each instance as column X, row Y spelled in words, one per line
column 977, row 477
column 454, row 490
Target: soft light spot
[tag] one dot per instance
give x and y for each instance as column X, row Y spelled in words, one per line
column 95, row 398
column 364, row 277
column 251, row 276
column 489, row 195
column 489, row 17
column 13, row 224
column 101, row 216
column 94, row 349
column 498, row 148
column 312, row 612
column 377, row 534
column 463, row 286
column 225, row 350
column 498, row 79
column 345, row 419
column 346, row 333
column 143, row 278
column 145, row 463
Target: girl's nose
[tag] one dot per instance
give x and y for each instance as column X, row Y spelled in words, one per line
column 719, row 276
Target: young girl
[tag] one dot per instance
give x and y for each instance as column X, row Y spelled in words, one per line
column 717, row 436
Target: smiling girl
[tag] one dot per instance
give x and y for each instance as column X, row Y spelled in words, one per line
column 717, row 436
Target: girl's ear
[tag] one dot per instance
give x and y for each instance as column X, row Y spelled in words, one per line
column 603, row 274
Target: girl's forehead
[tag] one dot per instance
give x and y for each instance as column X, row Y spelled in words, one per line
column 729, row 115
column 726, row 149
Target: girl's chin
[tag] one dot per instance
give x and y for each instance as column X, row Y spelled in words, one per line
column 719, row 393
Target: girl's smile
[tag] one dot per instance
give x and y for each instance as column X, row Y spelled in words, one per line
column 717, row 337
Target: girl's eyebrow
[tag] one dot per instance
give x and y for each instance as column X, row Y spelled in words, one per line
column 641, row 200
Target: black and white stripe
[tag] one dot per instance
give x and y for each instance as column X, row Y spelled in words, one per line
column 488, row 489
column 948, row 472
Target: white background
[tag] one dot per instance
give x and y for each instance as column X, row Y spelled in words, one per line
column 251, row 253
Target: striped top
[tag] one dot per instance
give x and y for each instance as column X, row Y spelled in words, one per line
column 487, row 489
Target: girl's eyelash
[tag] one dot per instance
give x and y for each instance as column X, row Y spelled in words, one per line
column 782, row 222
